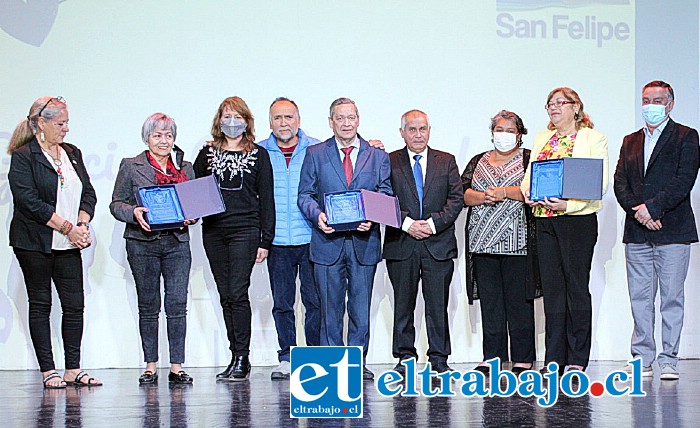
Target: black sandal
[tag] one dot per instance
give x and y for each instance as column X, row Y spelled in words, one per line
column 78, row 380
column 54, row 375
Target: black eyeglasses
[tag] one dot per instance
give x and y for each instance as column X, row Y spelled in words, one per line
column 57, row 99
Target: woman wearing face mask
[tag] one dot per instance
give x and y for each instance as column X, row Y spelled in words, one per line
column 153, row 255
column 242, row 235
column 497, row 230
column 567, row 231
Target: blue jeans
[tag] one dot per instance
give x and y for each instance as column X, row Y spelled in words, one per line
column 346, row 277
column 283, row 264
column 149, row 260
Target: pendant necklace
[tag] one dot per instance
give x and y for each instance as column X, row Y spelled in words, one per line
column 57, row 163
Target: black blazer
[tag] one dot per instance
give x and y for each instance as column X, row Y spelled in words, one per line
column 665, row 188
column 442, row 201
column 34, row 182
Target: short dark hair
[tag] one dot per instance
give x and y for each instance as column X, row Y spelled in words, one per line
column 660, row 84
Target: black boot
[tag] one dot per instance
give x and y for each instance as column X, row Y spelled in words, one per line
column 224, row 375
column 241, row 369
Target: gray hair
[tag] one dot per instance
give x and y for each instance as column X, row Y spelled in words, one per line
column 410, row 112
column 280, row 99
column 509, row 115
column 340, row 101
column 158, row 121
column 46, row 107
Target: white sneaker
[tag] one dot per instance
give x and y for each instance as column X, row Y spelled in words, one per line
column 281, row 372
column 647, row 371
column 669, row 372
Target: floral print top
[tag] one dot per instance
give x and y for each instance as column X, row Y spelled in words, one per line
column 558, row 147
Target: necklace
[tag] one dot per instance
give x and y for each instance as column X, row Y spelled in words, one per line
column 57, row 163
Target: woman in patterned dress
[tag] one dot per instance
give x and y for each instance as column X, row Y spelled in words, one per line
column 242, row 235
column 567, row 231
column 496, row 236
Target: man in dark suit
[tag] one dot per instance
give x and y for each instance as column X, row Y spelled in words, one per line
column 344, row 262
column 655, row 173
column 429, row 189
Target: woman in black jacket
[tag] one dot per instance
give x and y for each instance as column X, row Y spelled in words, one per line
column 53, row 204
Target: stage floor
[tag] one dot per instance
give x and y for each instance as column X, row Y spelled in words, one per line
column 264, row 403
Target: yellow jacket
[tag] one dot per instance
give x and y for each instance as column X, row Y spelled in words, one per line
column 589, row 144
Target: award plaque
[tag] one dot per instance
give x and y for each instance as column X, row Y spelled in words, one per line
column 346, row 210
column 568, row 178
column 169, row 205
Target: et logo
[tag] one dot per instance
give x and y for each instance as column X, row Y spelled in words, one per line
column 325, row 382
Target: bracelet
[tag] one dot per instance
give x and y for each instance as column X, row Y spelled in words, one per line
column 83, row 223
column 505, row 195
column 65, row 229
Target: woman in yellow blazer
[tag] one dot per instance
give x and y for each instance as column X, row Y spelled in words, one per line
column 567, row 230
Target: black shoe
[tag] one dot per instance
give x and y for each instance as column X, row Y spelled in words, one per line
column 400, row 369
column 441, row 366
column 517, row 370
column 224, row 375
column 367, row 373
column 544, row 370
column 180, row 377
column 483, row 369
column 148, row 377
column 241, row 369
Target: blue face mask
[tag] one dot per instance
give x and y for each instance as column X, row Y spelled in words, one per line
column 654, row 114
column 232, row 127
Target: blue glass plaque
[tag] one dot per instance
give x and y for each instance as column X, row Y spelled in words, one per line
column 546, row 179
column 344, row 210
column 163, row 205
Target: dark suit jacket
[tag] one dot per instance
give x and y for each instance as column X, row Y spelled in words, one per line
column 134, row 173
column 34, row 182
column 442, row 201
column 321, row 173
column 665, row 188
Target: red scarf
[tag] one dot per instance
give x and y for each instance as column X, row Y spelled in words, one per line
column 171, row 175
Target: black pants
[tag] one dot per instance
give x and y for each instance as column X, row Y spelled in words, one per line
column 231, row 253
column 65, row 268
column 565, row 248
column 504, row 308
column 436, row 276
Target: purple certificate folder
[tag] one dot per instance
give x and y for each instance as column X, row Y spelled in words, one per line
column 346, row 210
column 170, row 205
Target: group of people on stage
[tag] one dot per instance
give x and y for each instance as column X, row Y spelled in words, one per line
column 517, row 249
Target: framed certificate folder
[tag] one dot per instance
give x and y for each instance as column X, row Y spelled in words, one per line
column 567, row 178
column 169, row 205
column 346, row 210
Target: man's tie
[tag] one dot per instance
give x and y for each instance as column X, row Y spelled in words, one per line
column 347, row 164
column 418, row 176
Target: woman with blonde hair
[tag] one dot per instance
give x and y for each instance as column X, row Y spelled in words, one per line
column 53, row 204
column 567, row 231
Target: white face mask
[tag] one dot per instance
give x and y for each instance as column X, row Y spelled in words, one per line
column 654, row 114
column 504, row 141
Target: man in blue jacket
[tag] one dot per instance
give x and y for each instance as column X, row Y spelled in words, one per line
column 344, row 262
column 289, row 254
